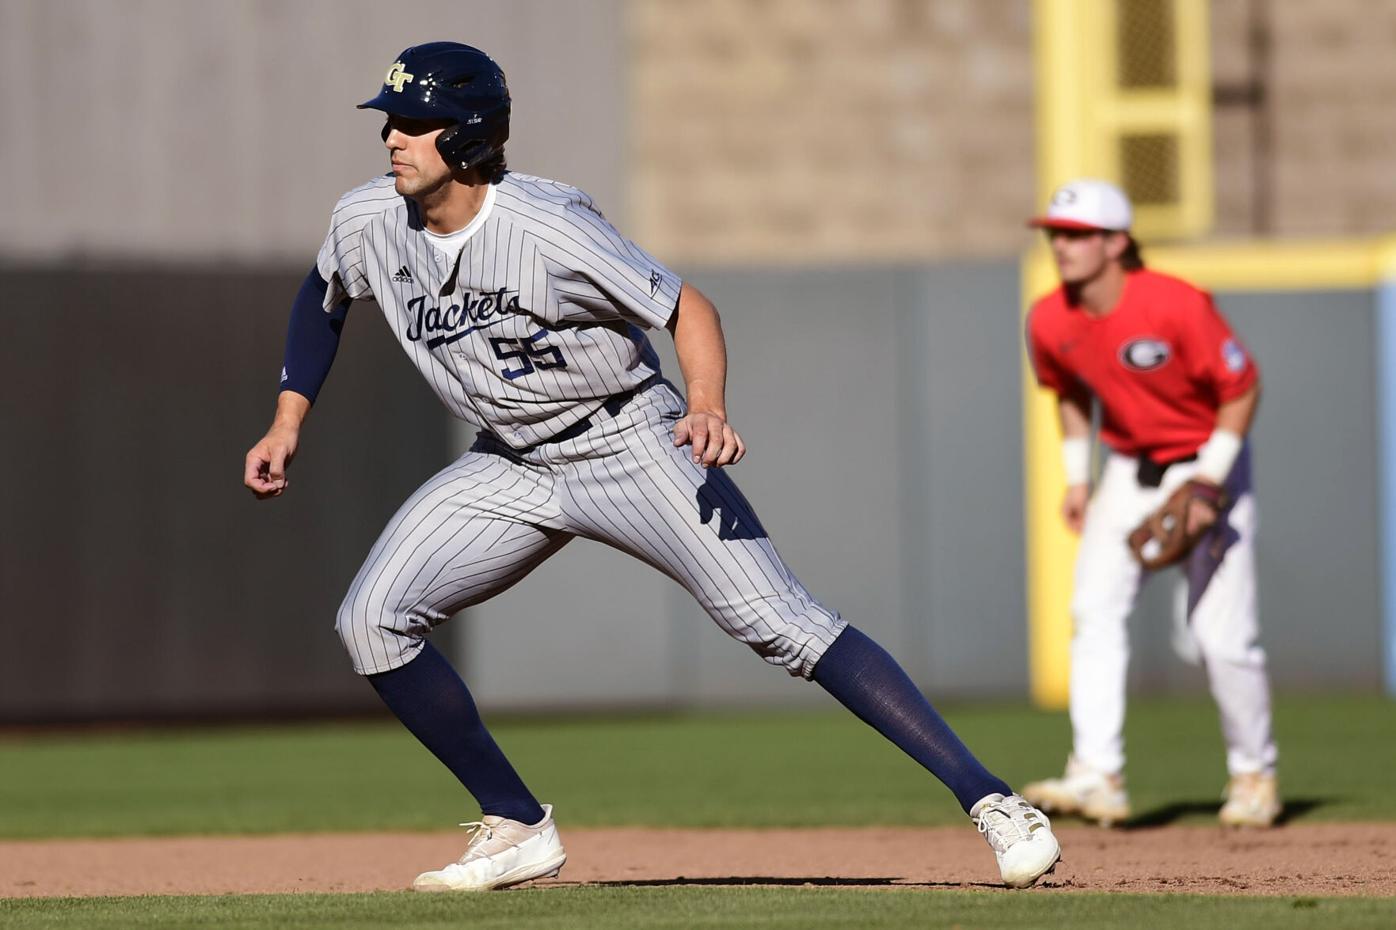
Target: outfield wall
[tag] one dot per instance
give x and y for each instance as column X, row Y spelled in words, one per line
column 882, row 407
column 139, row 577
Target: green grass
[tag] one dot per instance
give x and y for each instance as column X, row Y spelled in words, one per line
column 773, row 908
column 700, row 770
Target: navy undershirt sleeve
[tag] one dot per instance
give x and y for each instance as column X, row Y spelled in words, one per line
column 312, row 338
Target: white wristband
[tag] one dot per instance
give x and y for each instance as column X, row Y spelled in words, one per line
column 1217, row 455
column 1076, row 459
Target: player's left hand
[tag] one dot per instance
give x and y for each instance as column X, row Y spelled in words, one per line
column 715, row 443
column 264, row 469
column 1202, row 516
column 1169, row 533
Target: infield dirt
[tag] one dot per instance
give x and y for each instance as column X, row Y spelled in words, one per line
column 1298, row 859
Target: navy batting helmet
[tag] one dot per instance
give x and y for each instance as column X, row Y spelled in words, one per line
column 448, row 80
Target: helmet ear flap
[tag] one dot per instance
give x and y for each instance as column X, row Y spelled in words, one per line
column 453, row 150
column 462, row 153
column 444, row 146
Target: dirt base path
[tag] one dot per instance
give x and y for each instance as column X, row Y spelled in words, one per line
column 1308, row 859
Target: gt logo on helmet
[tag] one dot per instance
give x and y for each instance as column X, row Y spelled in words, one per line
column 397, row 76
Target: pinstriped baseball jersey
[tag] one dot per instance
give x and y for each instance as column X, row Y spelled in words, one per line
column 527, row 327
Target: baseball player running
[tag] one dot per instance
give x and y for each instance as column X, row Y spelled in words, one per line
column 1177, row 394
column 526, row 311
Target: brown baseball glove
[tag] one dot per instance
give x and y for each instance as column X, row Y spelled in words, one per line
column 1163, row 539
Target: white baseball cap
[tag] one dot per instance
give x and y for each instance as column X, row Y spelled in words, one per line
column 1086, row 203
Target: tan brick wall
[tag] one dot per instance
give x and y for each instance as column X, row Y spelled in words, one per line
column 1233, row 125
column 880, row 130
column 826, row 130
column 1334, row 84
column 1331, row 88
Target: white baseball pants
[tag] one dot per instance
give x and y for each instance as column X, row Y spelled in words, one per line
column 1218, row 615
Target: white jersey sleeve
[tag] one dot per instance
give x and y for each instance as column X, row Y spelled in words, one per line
column 594, row 274
column 342, row 260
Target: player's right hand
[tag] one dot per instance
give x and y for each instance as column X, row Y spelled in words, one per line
column 264, row 471
column 1074, row 506
column 715, row 443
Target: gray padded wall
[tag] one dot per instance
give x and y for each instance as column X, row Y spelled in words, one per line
column 961, row 421
column 881, row 406
column 137, row 576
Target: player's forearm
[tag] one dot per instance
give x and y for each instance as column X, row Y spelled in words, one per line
column 1075, row 416
column 1237, row 414
column 1219, row 453
column 312, row 338
column 291, row 411
column 702, row 352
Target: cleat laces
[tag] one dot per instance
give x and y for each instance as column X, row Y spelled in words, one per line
column 1013, row 822
column 480, row 834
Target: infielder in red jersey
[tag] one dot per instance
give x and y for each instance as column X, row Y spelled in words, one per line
column 1177, row 393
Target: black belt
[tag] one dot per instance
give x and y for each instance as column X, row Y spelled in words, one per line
column 1151, row 473
column 613, row 406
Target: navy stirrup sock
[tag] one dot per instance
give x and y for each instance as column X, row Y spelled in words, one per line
column 431, row 701
column 869, row 682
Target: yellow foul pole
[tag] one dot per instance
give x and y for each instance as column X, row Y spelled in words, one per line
column 1064, row 139
column 1087, row 123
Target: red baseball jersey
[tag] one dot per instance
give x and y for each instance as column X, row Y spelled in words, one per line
column 1161, row 363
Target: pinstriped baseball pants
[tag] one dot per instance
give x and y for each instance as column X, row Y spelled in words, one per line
column 484, row 522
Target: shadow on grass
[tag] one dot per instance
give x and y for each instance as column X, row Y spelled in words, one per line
column 1295, row 808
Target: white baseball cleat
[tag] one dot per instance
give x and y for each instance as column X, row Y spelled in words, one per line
column 500, row 853
column 1251, row 801
column 1083, row 792
column 1021, row 837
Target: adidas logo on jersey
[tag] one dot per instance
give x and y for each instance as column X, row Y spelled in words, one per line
column 403, row 274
